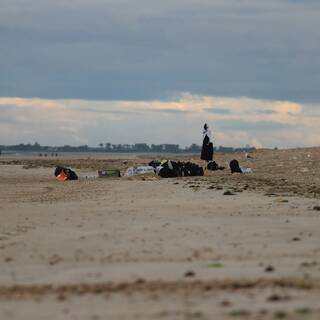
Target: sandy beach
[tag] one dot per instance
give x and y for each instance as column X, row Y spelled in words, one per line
column 151, row 248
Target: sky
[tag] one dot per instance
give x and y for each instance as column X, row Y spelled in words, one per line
column 129, row 71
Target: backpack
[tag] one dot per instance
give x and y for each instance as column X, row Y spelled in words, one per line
column 192, row 169
column 234, row 166
column 166, row 172
column 212, row 165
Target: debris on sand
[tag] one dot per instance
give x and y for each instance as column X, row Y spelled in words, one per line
column 279, row 315
column 225, row 303
column 54, row 259
column 281, row 200
column 276, row 298
column 269, row 269
column 239, row 313
column 228, row 193
column 189, row 274
column 309, row 264
column 215, row 265
column 303, row 311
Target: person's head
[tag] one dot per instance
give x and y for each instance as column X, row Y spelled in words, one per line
column 205, row 127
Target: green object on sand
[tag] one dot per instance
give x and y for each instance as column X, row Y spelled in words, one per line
column 109, row 173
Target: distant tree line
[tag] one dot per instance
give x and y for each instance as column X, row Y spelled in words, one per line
column 126, row 148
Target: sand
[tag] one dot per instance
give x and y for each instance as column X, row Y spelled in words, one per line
column 149, row 248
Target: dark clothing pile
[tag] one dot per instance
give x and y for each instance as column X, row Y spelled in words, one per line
column 192, row 169
column 172, row 169
column 166, row 172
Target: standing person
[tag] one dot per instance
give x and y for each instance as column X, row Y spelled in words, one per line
column 207, row 147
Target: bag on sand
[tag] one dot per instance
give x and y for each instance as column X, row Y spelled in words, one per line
column 170, row 169
column 71, row 175
column 192, row 169
column 234, row 166
column 63, row 174
column 213, row 166
column 166, row 172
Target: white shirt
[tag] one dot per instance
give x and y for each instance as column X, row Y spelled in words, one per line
column 207, row 132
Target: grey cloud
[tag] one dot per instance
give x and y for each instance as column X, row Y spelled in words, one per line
column 266, row 112
column 166, row 110
column 145, row 50
column 251, row 126
column 8, row 114
column 139, row 111
column 106, row 111
column 218, row 110
column 7, row 108
column 7, row 119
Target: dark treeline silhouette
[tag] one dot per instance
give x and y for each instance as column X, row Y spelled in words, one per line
column 127, row 148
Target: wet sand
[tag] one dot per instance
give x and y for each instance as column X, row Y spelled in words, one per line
column 149, row 248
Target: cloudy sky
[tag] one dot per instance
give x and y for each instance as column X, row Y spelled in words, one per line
column 127, row 71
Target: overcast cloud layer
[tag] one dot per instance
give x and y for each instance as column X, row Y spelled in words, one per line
column 144, row 51
column 235, row 121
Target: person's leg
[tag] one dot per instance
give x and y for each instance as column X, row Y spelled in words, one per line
column 205, row 167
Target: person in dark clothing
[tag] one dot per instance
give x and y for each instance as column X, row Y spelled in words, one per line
column 207, row 146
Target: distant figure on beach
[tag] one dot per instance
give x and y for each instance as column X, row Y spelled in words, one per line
column 247, row 155
column 207, row 146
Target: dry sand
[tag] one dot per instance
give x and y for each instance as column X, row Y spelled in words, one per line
column 148, row 248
